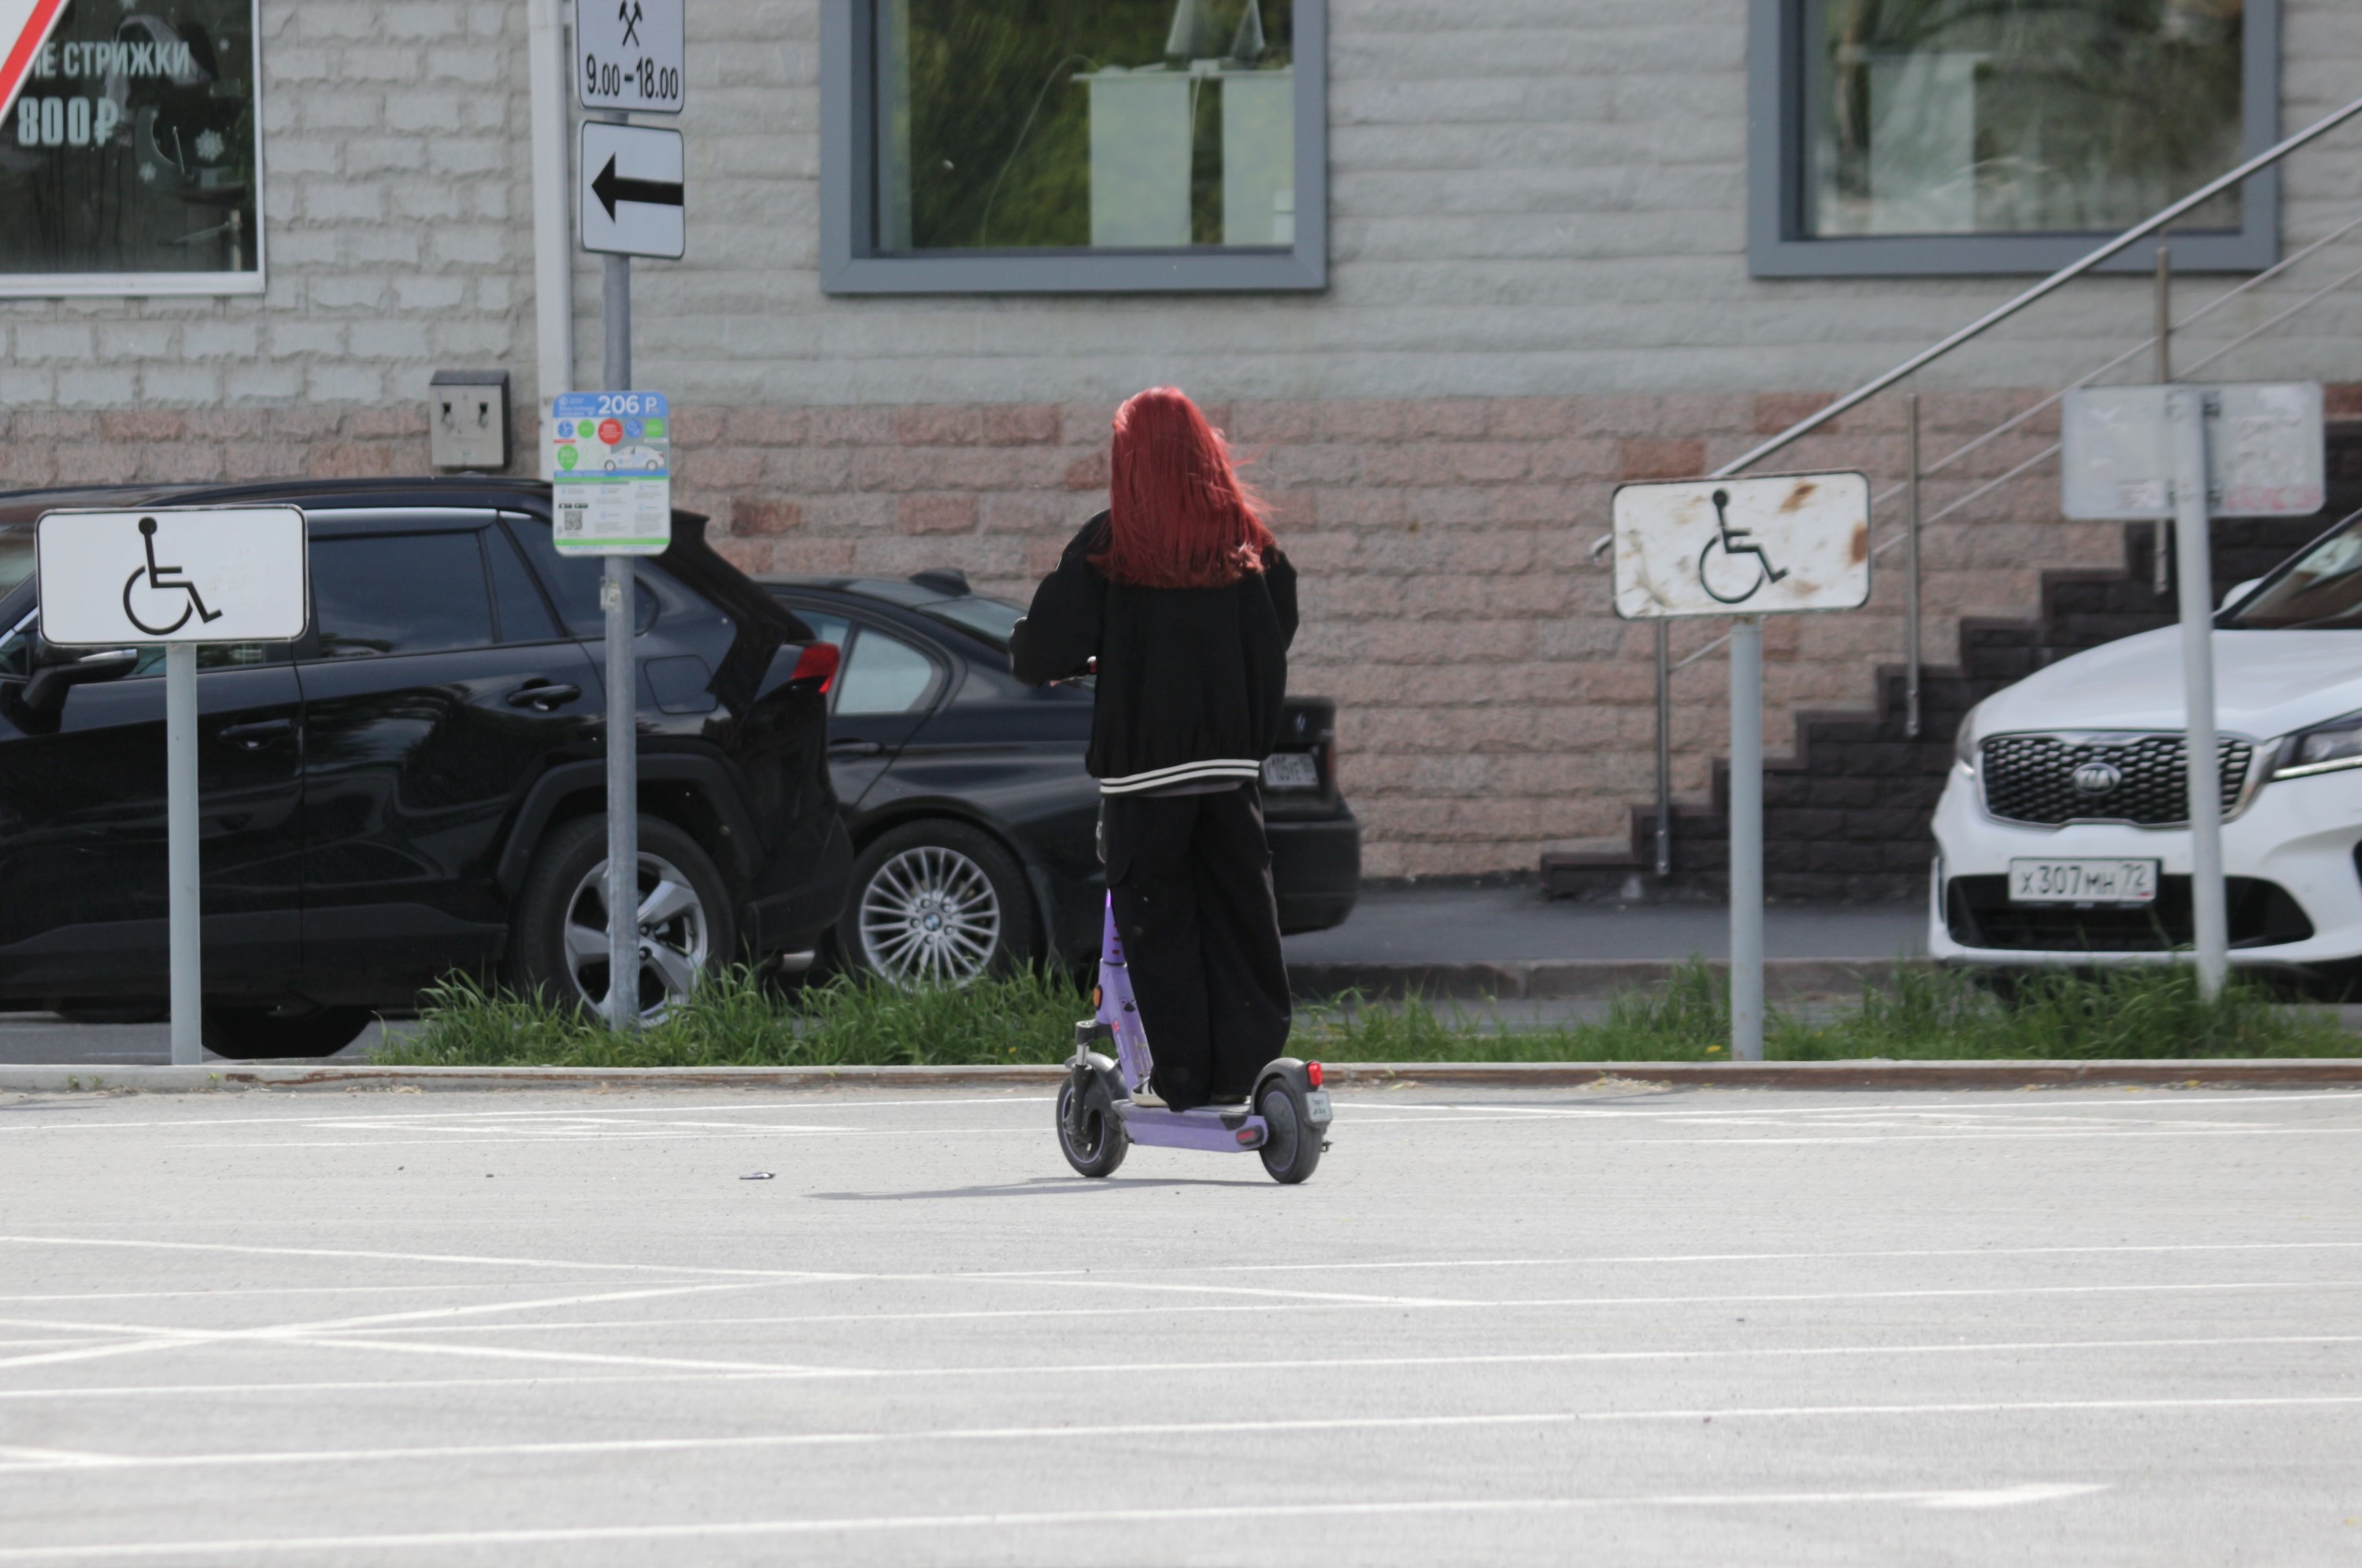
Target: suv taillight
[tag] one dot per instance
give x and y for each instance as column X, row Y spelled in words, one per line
column 817, row 662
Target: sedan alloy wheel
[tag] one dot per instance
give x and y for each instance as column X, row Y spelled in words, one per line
column 930, row 915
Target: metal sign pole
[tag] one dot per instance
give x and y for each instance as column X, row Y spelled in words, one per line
column 1911, row 607
column 617, row 598
column 2160, row 555
column 1664, row 750
column 1747, row 839
column 2193, row 562
column 181, row 867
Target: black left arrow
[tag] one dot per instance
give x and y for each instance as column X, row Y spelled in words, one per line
column 611, row 187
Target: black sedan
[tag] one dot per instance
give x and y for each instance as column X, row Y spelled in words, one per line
column 973, row 821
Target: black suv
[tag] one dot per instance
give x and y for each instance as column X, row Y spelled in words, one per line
column 416, row 786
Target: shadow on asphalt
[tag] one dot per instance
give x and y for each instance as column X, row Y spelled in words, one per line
column 1035, row 1187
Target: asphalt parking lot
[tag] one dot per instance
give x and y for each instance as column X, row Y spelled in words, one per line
column 1616, row 1325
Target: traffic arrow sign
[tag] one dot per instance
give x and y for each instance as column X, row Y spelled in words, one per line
column 611, row 187
column 631, row 180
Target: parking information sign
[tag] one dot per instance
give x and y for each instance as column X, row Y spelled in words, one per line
column 230, row 575
column 627, row 55
column 1742, row 546
column 612, row 472
column 2266, row 455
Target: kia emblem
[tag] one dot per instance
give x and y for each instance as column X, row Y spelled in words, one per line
column 2094, row 780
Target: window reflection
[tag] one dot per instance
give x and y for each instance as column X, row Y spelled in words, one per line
column 2322, row 591
column 1024, row 124
column 2011, row 117
column 883, row 675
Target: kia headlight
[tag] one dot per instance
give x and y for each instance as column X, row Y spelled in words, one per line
column 2324, row 749
column 1964, row 744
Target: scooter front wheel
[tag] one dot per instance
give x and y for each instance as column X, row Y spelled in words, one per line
column 1291, row 1148
column 1093, row 1142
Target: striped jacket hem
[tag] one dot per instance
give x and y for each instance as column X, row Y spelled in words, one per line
column 1183, row 773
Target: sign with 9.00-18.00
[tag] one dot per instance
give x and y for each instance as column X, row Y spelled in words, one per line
column 627, row 55
column 612, row 472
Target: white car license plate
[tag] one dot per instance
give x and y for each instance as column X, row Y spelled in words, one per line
column 1316, row 1104
column 2083, row 881
column 1291, row 770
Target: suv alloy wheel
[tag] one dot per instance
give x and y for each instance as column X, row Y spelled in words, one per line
column 560, row 943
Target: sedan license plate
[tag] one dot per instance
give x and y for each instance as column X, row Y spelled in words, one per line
column 1291, row 770
column 1316, row 1104
column 2083, row 881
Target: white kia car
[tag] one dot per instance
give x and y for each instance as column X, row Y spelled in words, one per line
column 2063, row 830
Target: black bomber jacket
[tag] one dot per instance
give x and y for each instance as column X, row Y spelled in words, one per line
column 1190, row 680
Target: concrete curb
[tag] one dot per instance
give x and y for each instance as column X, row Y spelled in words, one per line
column 2258, row 1073
column 1537, row 979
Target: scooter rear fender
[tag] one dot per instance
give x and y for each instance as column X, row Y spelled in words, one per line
column 1291, row 1071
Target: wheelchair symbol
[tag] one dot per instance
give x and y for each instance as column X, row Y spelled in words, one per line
column 1733, row 542
column 157, row 582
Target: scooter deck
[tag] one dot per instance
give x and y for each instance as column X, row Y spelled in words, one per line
column 1220, row 1130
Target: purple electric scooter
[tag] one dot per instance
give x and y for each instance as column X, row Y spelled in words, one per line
column 1286, row 1120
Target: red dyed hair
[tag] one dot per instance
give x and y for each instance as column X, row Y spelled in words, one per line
column 1179, row 517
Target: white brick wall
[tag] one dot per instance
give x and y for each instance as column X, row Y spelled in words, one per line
column 1530, row 197
column 392, row 160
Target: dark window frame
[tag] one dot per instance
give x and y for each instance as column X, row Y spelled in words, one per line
column 1778, row 247
column 852, row 263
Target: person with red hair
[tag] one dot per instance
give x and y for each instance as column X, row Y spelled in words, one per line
column 1181, row 594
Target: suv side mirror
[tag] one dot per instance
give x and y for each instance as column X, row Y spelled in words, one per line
column 58, row 673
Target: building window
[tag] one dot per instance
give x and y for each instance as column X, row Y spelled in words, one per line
column 130, row 159
column 1072, row 146
column 2004, row 136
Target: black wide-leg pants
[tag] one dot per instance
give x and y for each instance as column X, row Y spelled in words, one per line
column 1191, row 876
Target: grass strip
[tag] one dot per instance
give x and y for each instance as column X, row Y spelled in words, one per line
column 1912, row 1014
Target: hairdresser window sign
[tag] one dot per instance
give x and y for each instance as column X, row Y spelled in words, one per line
column 129, row 156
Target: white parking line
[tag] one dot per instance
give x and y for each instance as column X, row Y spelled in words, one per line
column 1198, row 1368
column 2099, row 1249
column 156, row 1337
column 519, row 1140
column 2019, row 1496
column 244, row 1292
column 2102, row 1249
column 380, row 1256
column 2166, row 1098
column 517, row 1114
column 1115, row 1432
column 1355, row 1103
column 332, row 1337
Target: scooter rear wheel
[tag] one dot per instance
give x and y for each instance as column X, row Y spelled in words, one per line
column 1102, row 1144
column 1291, row 1149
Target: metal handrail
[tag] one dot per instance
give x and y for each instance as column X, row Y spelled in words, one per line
column 2144, row 346
column 2155, row 223
column 2164, row 218
column 2344, row 280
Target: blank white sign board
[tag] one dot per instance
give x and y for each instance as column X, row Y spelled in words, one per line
column 2264, row 451
column 202, row 575
column 1778, row 545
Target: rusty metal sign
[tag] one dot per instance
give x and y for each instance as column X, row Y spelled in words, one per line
column 1778, row 545
column 2266, row 456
